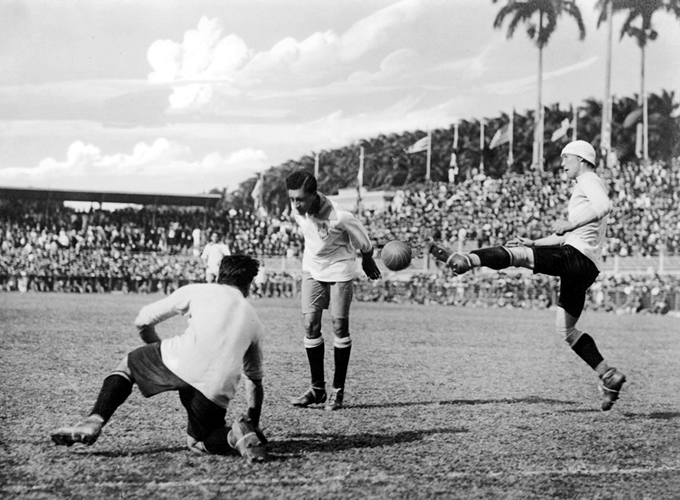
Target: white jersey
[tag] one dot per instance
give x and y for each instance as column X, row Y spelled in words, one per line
column 212, row 255
column 590, row 192
column 222, row 339
column 332, row 238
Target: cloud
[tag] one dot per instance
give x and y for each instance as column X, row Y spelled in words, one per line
column 527, row 83
column 160, row 167
column 206, row 64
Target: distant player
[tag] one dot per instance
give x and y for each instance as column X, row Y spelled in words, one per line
column 212, row 256
column 204, row 365
column 572, row 253
column 332, row 237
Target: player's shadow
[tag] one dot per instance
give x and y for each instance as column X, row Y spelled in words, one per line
column 469, row 402
column 140, row 452
column 657, row 415
column 298, row 444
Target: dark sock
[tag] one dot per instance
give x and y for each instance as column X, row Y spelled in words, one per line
column 587, row 350
column 216, row 443
column 115, row 390
column 341, row 363
column 315, row 356
column 493, row 257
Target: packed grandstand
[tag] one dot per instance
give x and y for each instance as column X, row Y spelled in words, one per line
column 152, row 249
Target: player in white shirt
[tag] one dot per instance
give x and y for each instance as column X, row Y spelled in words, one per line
column 212, row 256
column 332, row 237
column 572, row 252
column 204, row 364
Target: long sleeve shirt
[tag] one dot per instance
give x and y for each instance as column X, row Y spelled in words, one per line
column 222, row 339
column 590, row 194
column 332, row 237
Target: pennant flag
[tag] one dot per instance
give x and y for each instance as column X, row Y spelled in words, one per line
column 421, row 145
column 502, row 136
column 633, row 118
column 256, row 194
column 562, row 131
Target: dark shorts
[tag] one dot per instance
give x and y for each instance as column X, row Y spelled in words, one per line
column 153, row 377
column 318, row 295
column 576, row 272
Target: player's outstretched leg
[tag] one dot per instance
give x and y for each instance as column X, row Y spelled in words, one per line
column 610, row 386
column 85, row 432
column 458, row 262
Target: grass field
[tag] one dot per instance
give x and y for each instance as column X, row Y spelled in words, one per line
column 441, row 402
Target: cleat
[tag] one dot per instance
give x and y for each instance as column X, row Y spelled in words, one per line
column 611, row 384
column 335, row 399
column 245, row 438
column 458, row 262
column 85, row 432
column 313, row 396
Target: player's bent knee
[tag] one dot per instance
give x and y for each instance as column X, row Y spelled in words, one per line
column 341, row 327
column 570, row 335
column 521, row 257
column 312, row 323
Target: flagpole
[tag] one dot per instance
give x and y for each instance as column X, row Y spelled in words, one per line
column 316, row 165
column 574, row 129
column 481, row 146
column 429, row 154
column 511, row 157
column 360, row 179
column 606, row 133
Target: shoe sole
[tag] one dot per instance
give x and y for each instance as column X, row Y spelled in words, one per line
column 69, row 439
column 611, row 395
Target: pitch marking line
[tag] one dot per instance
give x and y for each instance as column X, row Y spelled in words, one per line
column 20, row 488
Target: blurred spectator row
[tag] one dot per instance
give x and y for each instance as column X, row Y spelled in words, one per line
column 483, row 211
column 621, row 294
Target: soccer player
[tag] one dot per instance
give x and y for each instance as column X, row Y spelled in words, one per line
column 332, row 237
column 572, row 252
column 204, row 364
column 212, row 256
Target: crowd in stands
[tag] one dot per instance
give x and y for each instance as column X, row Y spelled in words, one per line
column 152, row 249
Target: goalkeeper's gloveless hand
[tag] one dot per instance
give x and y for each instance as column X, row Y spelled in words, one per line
column 369, row 266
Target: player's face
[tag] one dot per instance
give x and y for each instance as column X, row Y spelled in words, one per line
column 571, row 165
column 301, row 200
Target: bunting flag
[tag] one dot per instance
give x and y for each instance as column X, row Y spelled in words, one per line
column 562, row 131
column 502, row 136
column 421, row 145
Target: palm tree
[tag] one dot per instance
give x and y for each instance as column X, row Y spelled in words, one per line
column 547, row 11
column 643, row 9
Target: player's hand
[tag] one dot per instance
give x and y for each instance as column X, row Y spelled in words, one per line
column 520, row 241
column 148, row 334
column 370, row 267
column 561, row 227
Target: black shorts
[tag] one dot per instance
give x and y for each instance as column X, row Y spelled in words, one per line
column 153, row 377
column 576, row 272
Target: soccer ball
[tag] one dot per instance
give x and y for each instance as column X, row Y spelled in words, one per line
column 396, row 255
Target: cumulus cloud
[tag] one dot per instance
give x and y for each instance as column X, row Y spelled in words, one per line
column 206, row 63
column 160, row 167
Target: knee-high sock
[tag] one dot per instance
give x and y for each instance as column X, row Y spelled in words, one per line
column 587, row 350
column 342, row 349
column 115, row 390
column 493, row 257
column 315, row 354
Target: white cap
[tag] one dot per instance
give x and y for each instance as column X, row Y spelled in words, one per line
column 582, row 149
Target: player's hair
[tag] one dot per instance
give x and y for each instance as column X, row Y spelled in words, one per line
column 301, row 180
column 238, row 271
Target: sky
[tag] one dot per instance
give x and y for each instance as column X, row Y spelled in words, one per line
column 184, row 96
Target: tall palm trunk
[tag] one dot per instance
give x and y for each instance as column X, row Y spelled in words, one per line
column 643, row 99
column 538, row 128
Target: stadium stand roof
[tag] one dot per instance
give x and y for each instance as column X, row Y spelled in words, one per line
column 109, row 197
